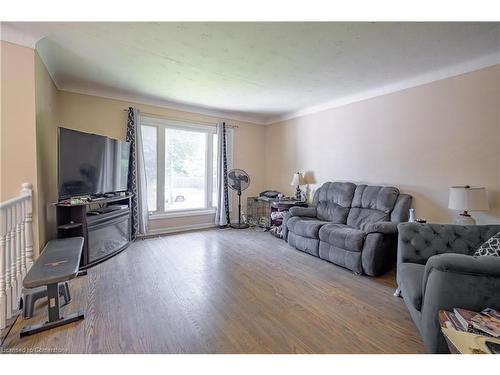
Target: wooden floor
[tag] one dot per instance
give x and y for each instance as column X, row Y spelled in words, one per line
column 225, row 291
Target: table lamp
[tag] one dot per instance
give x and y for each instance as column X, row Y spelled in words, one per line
column 465, row 199
column 297, row 180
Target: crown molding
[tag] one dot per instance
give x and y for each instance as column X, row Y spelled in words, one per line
column 11, row 34
column 437, row 75
column 220, row 115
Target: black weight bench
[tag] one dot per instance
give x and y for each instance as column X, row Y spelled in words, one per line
column 30, row 296
column 57, row 263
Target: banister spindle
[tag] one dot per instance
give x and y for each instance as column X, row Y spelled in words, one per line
column 19, row 277
column 13, row 257
column 27, row 191
column 3, row 295
column 16, row 250
column 23, row 241
column 8, row 285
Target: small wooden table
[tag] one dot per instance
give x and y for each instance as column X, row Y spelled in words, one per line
column 475, row 347
column 442, row 322
column 57, row 263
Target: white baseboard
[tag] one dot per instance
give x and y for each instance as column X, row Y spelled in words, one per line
column 184, row 228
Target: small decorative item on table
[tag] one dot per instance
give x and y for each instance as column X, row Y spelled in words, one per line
column 411, row 216
column 298, row 180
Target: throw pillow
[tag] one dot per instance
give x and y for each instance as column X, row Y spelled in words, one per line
column 490, row 247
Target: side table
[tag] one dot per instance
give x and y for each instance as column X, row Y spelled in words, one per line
column 461, row 342
column 283, row 206
column 443, row 319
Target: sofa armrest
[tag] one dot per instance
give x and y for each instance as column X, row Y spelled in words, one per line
column 284, row 228
column 456, row 280
column 488, row 266
column 384, row 227
column 303, row 211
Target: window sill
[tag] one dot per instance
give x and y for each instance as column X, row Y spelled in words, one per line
column 173, row 214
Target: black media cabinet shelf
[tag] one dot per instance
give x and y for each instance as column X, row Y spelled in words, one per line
column 105, row 234
column 69, row 226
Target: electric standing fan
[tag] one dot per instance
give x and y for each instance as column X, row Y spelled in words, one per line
column 238, row 180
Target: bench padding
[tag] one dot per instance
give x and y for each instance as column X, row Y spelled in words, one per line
column 58, row 262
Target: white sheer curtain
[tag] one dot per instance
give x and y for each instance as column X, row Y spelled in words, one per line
column 222, row 212
column 137, row 174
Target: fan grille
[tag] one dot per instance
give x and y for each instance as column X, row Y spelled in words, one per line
column 238, row 179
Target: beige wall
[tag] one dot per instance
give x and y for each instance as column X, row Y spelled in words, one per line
column 107, row 117
column 422, row 140
column 17, row 135
column 46, row 98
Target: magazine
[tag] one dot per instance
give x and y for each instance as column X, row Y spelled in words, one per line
column 487, row 321
column 464, row 317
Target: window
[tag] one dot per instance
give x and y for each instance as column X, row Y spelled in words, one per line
column 181, row 166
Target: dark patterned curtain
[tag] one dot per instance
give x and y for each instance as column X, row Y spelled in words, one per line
column 222, row 218
column 137, row 175
column 224, row 162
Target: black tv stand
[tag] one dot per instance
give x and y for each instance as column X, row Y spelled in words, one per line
column 106, row 231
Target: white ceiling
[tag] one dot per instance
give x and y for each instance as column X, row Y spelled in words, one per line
column 261, row 72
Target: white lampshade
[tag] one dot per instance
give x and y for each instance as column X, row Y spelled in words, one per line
column 464, row 198
column 297, row 179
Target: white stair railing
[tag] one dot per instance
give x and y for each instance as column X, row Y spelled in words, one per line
column 16, row 250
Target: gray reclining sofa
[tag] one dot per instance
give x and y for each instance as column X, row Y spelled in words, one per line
column 353, row 226
column 437, row 272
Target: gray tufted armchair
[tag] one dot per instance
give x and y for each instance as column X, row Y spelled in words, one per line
column 436, row 271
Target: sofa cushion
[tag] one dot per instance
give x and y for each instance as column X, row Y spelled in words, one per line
column 410, row 277
column 341, row 257
column 342, row 236
column 361, row 217
column 381, row 198
column 307, row 245
column 490, row 247
column 419, row 242
column 305, row 226
column 332, row 201
column 371, row 204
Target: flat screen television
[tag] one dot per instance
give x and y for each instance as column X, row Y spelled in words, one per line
column 91, row 164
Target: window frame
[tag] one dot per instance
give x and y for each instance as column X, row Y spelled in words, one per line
column 161, row 125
